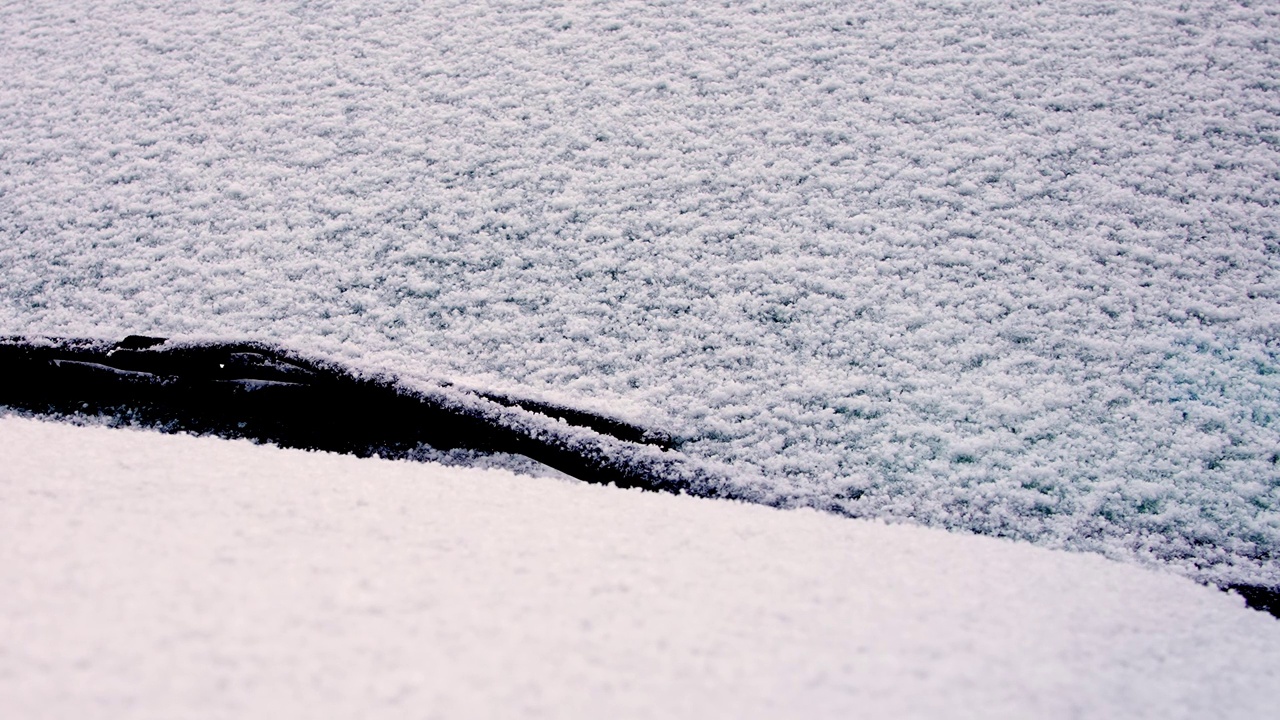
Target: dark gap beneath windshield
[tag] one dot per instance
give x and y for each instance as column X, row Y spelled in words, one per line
column 272, row 395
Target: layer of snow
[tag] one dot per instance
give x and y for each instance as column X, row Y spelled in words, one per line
column 1003, row 266
column 149, row 575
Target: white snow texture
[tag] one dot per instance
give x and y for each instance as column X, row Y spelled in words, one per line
column 1007, row 267
column 160, row 576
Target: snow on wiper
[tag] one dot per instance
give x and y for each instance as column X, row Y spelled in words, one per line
column 270, row 394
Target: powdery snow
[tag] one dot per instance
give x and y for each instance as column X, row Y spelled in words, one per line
column 1003, row 267
column 150, row 575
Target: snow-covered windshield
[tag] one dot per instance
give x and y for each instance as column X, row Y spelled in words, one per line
column 1004, row 268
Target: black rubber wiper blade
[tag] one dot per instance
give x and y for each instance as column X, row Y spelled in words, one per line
column 270, row 394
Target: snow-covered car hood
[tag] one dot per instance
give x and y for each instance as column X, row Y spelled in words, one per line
column 150, row 575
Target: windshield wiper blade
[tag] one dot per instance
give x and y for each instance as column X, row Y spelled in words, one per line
column 270, row 394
